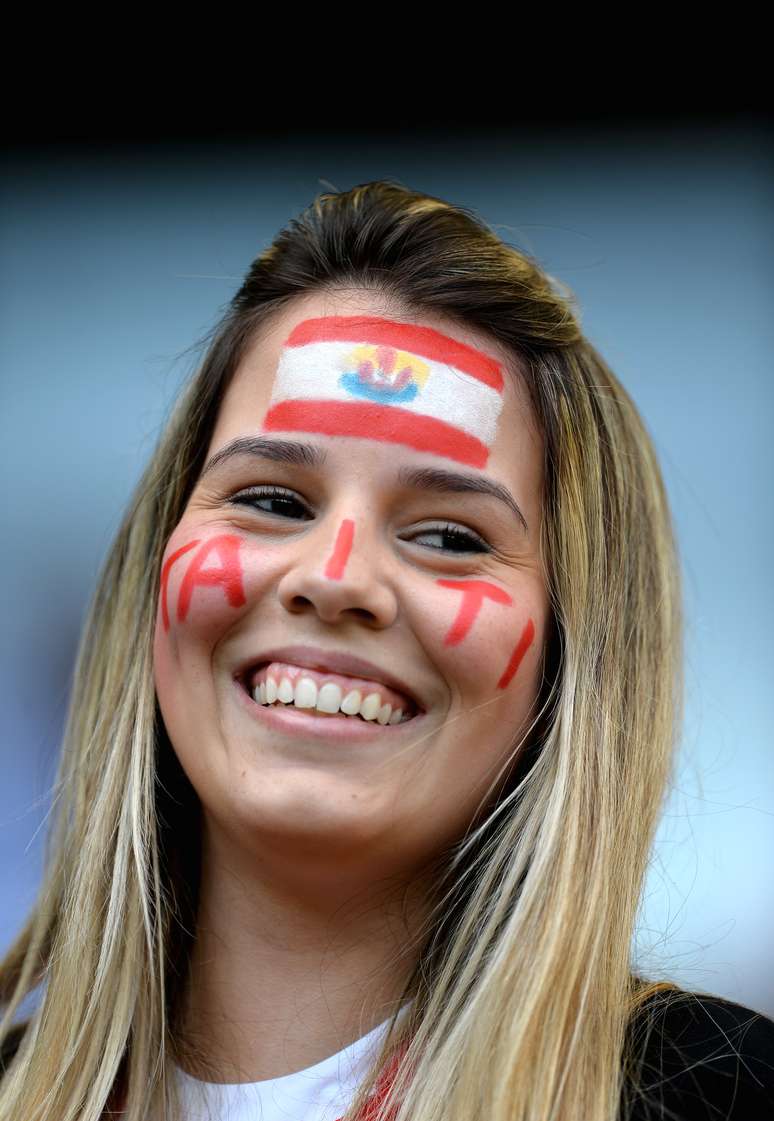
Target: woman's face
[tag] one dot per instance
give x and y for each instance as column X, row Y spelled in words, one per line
column 364, row 532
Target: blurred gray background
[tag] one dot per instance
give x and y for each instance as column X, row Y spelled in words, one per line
column 115, row 262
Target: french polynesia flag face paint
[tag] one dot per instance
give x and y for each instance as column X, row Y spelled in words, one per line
column 382, row 380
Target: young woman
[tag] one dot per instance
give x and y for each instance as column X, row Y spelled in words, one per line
column 372, row 721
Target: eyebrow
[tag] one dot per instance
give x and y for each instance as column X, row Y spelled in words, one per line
column 418, row 478
column 453, row 482
column 281, row 451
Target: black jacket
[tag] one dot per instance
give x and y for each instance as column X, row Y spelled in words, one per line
column 699, row 1058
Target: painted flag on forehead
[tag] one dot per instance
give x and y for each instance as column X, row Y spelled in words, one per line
column 383, row 380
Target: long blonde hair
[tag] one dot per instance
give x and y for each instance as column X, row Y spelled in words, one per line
column 523, row 986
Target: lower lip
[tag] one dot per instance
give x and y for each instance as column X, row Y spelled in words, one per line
column 301, row 721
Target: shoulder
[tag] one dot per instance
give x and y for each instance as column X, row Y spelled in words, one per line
column 697, row 1057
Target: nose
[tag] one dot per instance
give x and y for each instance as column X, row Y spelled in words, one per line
column 337, row 575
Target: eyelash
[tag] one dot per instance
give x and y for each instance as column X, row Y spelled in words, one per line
column 249, row 497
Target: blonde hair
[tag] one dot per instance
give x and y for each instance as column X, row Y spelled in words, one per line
column 523, row 986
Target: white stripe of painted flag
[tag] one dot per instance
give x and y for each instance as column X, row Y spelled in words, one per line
column 384, row 380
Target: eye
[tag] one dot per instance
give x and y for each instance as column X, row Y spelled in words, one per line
column 284, row 503
column 454, row 539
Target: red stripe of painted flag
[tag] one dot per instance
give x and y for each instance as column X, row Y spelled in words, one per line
column 422, row 341
column 377, row 422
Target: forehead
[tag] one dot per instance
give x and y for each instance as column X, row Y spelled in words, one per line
column 352, row 363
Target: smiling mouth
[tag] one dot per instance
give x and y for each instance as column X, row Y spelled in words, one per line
column 335, row 696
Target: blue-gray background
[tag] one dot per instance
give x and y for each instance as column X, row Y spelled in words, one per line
column 114, row 264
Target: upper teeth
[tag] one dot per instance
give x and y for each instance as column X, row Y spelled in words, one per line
column 329, row 697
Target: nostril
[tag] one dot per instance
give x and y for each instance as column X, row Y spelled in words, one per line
column 300, row 603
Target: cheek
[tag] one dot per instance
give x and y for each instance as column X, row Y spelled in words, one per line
column 204, row 585
column 487, row 636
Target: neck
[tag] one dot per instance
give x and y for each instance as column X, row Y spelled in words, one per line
column 281, row 977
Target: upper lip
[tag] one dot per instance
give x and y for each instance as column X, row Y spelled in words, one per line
column 313, row 657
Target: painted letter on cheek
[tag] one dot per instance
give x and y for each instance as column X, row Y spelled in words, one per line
column 334, row 569
column 228, row 575
column 165, row 579
column 522, row 647
column 473, row 593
